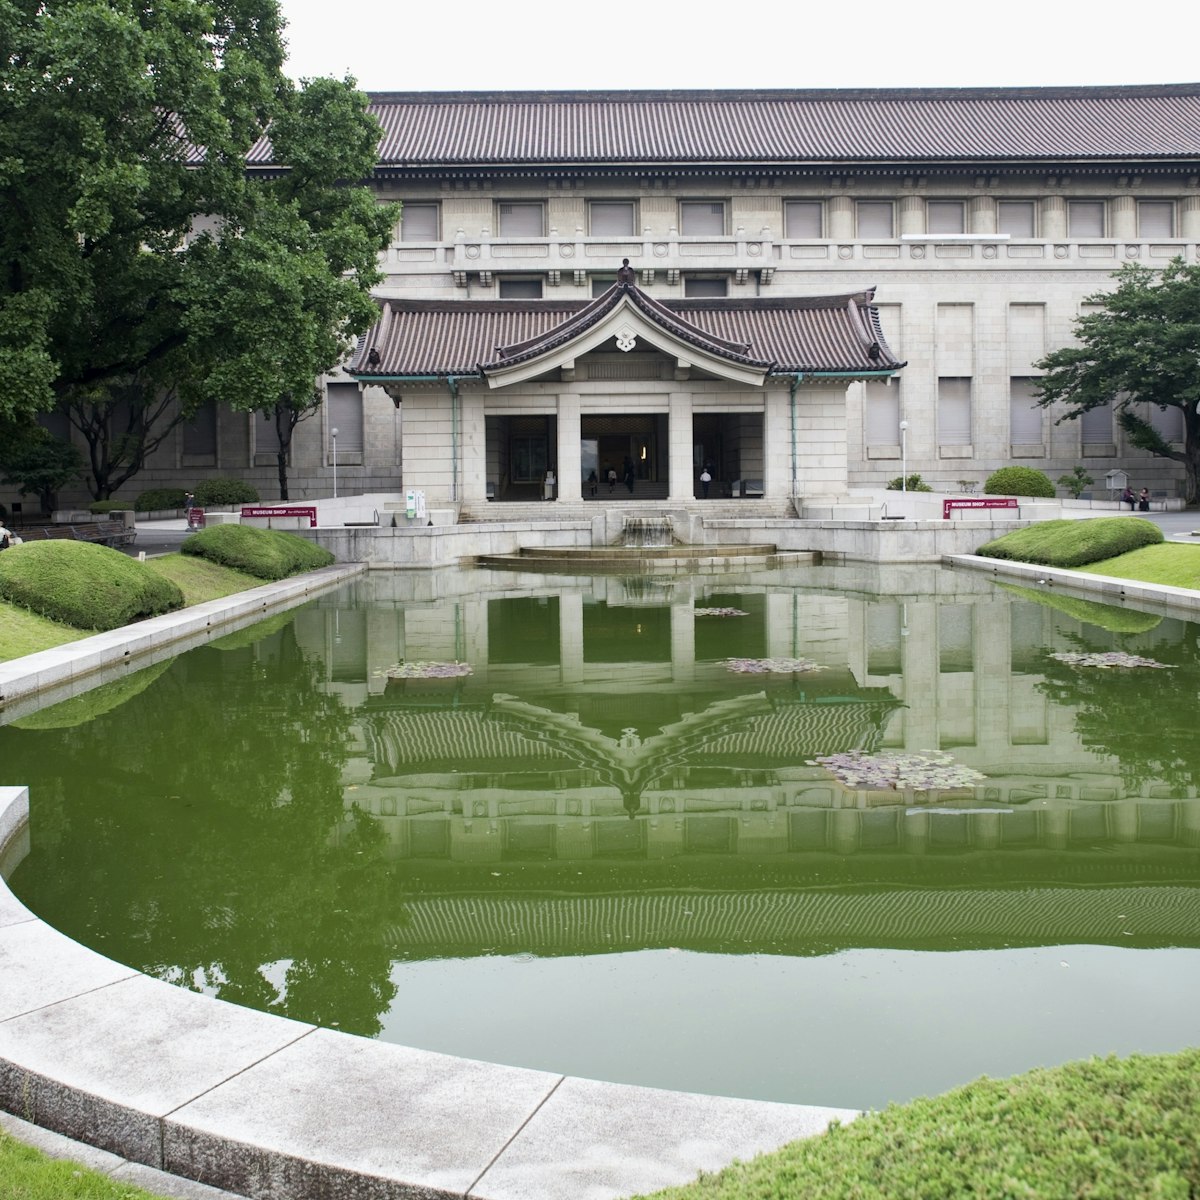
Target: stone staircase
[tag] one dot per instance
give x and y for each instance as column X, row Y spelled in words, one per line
column 634, row 506
column 640, row 560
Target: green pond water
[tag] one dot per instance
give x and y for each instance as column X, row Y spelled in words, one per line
column 605, row 853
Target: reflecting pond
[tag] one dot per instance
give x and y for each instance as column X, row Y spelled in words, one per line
column 580, row 824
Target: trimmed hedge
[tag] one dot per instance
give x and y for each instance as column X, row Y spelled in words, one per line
column 224, row 491
column 1107, row 1129
column 1018, row 481
column 263, row 553
column 101, row 508
column 156, row 499
column 84, row 585
column 1074, row 543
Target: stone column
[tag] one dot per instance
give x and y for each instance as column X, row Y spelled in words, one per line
column 981, row 215
column 1054, row 218
column 1124, row 218
column 1189, row 217
column 570, row 636
column 912, row 215
column 683, row 643
column 680, row 485
column 569, row 458
column 841, row 218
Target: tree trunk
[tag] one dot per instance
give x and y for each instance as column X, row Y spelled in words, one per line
column 281, row 467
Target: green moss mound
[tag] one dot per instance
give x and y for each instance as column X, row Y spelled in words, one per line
column 1107, row 616
column 1074, row 543
column 1108, row 1129
column 263, row 553
column 84, row 585
column 1018, row 481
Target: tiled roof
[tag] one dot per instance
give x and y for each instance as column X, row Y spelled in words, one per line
column 457, row 337
column 789, row 127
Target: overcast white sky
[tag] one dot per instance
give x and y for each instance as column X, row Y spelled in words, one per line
column 479, row 45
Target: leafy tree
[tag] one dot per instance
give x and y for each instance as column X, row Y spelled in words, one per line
column 1142, row 346
column 145, row 268
column 1076, row 482
column 37, row 463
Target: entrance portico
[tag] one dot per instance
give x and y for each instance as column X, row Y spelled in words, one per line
column 498, row 397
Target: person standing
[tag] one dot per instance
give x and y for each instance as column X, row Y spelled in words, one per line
column 705, row 481
column 629, row 474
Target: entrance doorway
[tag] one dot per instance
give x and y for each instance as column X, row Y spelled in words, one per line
column 621, row 441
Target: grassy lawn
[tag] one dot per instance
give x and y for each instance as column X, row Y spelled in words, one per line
column 23, row 632
column 1106, row 1129
column 27, row 1174
column 1174, row 564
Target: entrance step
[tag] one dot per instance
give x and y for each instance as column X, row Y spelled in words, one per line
column 585, row 510
column 641, row 560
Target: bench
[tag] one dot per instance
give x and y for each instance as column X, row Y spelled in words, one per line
column 106, row 533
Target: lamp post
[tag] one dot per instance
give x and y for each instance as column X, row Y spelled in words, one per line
column 333, row 434
column 903, row 456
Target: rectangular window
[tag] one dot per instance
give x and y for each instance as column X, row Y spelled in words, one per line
column 1017, row 218
column 954, row 411
column 1024, row 415
column 803, row 219
column 875, row 218
column 612, row 218
column 705, row 287
column 1085, row 218
column 1156, row 219
column 200, row 433
column 419, row 223
column 881, row 413
column 520, row 289
column 345, row 414
column 266, row 439
column 702, row 218
column 1096, row 426
column 527, row 459
column 1167, row 422
column 945, row 216
column 520, row 219
column 601, row 284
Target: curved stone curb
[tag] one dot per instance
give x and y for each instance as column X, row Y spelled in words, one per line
column 1176, row 601
column 269, row 1107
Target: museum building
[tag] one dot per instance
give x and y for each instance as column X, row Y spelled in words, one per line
column 788, row 252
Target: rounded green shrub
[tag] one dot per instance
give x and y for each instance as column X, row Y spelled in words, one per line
column 263, row 553
column 224, row 491
column 101, row 508
column 1018, row 481
column 84, row 585
column 913, row 483
column 1074, row 543
column 157, row 499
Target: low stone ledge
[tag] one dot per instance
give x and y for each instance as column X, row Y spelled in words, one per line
column 266, row 1106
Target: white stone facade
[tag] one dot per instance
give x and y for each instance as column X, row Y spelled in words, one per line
column 978, row 274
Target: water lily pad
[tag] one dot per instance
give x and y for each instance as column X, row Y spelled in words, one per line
column 427, row 670
column 1106, row 660
column 921, row 771
column 771, row 666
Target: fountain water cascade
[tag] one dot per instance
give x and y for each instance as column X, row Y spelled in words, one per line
column 645, row 532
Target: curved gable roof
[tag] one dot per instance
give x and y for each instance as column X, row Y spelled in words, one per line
column 837, row 334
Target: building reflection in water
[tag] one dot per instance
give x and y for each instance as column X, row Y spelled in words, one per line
column 600, row 734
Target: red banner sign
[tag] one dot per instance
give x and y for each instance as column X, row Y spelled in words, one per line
column 278, row 511
column 948, row 506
